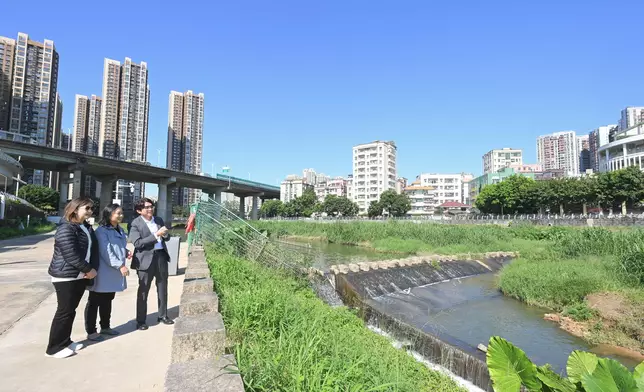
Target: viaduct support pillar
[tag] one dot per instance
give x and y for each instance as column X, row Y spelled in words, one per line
column 107, row 189
column 78, row 184
column 242, row 206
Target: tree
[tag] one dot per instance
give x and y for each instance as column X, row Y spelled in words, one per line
column 334, row 206
column 42, row 197
column 304, row 205
column 395, row 204
column 375, row 209
column 628, row 186
column 180, row 211
column 272, row 208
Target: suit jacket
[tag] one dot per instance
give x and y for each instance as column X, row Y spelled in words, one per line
column 144, row 241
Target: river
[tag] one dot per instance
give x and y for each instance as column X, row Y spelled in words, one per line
column 469, row 310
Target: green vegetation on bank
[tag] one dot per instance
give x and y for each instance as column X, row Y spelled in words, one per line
column 286, row 339
column 518, row 194
column 559, row 267
column 13, row 232
column 392, row 203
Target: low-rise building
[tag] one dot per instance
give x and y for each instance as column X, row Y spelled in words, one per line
column 626, row 149
column 495, row 160
column 421, row 197
column 292, row 187
column 336, row 186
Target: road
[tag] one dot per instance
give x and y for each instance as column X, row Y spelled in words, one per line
column 24, row 282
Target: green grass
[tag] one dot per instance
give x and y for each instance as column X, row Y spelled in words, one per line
column 12, row 232
column 558, row 267
column 286, row 339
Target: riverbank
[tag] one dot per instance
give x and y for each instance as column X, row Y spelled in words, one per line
column 285, row 338
column 560, row 268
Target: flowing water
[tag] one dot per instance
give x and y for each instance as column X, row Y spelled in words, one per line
column 467, row 311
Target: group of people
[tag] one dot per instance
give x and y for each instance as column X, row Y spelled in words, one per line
column 96, row 261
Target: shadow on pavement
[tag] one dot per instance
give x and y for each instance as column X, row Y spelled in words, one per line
column 21, row 242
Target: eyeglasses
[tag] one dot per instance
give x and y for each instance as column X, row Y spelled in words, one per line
column 147, row 207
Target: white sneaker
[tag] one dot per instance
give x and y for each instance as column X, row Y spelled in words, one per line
column 64, row 353
column 76, row 346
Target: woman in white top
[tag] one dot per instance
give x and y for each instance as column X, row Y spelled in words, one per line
column 72, row 268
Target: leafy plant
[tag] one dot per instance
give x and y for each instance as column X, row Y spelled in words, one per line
column 510, row 369
column 579, row 312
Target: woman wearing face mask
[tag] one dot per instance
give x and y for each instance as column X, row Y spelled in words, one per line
column 72, row 267
column 112, row 242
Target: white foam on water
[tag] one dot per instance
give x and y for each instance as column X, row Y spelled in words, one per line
column 398, row 344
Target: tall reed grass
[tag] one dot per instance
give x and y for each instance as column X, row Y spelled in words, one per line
column 286, row 339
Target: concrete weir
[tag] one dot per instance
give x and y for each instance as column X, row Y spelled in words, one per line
column 359, row 283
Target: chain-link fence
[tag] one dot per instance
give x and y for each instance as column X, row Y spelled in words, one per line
column 221, row 230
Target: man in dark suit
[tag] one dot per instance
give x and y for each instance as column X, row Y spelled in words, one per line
column 149, row 234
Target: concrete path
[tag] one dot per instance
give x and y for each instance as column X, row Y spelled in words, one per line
column 24, row 282
column 133, row 361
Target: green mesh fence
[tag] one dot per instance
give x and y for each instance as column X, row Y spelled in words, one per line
column 224, row 230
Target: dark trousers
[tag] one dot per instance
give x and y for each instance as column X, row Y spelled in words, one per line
column 98, row 302
column 68, row 295
column 158, row 271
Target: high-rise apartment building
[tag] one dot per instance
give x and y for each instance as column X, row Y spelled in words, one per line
column 374, row 171
column 124, row 120
column 185, row 140
column 87, row 126
column 34, row 99
column 7, row 53
column 583, row 149
column 559, row 151
column 597, row 138
column 630, row 117
column 495, row 160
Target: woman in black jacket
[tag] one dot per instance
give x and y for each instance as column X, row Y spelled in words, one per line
column 72, row 268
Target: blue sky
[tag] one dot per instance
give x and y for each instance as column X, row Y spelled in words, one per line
column 295, row 84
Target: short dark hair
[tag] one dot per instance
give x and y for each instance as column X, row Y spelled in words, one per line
column 70, row 209
column 106, row 215
column 141, row 203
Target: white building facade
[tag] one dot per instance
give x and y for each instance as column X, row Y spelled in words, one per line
column 337, row 186
column 559, row 151
column 495, row 160
column 627, row 150
column 374, row 171
column 598, row 138
column 631, row 116
column 292, row 187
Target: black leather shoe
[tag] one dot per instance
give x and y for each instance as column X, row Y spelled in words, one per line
column 165, row 321
column 141, row 327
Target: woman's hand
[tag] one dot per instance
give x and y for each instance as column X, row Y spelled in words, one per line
column 91, row 274
column 124, row 271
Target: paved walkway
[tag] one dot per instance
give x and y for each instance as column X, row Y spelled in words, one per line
column 133, row 361
column 24, row 282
